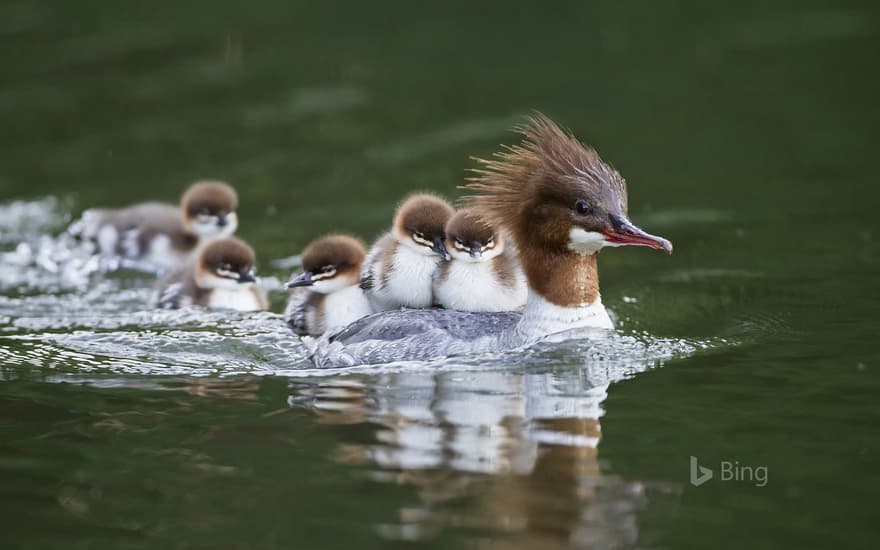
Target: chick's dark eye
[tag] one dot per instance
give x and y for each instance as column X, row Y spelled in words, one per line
column 582, row 207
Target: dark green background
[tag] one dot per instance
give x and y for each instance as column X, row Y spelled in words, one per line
column 746, row 131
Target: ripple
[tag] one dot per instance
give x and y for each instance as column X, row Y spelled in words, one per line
column 756, row 324
column 192, row 341
column 415, row 147
column 699, row 275
column 304, row 102
column 672, row 218
column 798, row 28
column 606, row 358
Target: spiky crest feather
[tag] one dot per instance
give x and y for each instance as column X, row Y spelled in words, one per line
column 548, row 160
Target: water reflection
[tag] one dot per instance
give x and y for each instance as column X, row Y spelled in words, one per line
column 488, row 452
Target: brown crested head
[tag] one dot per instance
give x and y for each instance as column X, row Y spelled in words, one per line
column 421, row 220
column 551, row 190
column 561, row 203
column 209, row 198
column 228, row 258
column 330, row 258
column 468, row 233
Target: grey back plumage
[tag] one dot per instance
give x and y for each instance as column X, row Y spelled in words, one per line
column 416, row 335
column 397, row 324
column 138, row 225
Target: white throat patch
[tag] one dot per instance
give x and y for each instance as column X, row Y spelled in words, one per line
column 584, row 242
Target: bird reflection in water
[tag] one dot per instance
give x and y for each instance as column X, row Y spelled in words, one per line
column 488, row 452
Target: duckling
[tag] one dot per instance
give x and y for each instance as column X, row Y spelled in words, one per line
column 221, row 276
column 399, row 269
column 484, row 274
column 327, row 295
column 163, row 235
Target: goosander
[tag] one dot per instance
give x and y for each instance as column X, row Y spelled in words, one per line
column 326, row 294
column 484, row 274
column 400, row 267
column 163, row 235
column 561, row 204
column 221, row 276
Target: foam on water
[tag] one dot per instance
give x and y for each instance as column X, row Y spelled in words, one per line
column 31, row 259
column 21, row 220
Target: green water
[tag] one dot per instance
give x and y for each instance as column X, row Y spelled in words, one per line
column 744, row 131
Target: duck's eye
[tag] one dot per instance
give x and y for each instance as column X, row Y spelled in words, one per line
column 582, row 207
column 327, row 269
column 226, row 267
column 490, row 242
column 459, row 244
column 419, row 235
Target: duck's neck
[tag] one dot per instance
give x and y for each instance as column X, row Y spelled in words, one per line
column 563, row 294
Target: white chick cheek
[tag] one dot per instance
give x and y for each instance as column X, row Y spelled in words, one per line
column 420, row 248
column 213, row 281
column 490, row 253
column 209, row 226
column 231, row 225
column 333, row 284
column 204, row 226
